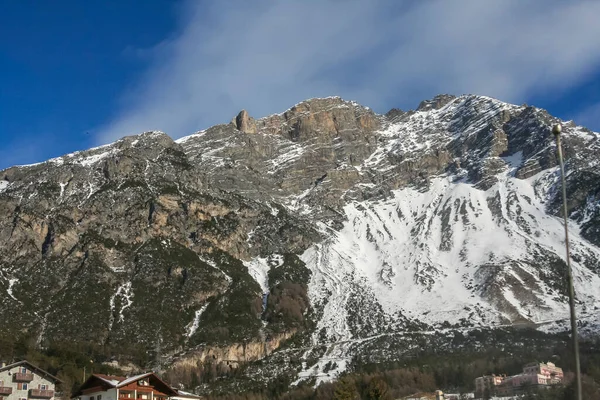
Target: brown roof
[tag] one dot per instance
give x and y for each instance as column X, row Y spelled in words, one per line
column 120, row 381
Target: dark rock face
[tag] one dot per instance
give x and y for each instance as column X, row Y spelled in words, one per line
column 394, row 114
column 147, row 231
column 99, row 250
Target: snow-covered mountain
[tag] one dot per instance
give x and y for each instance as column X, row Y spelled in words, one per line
column 324, row 229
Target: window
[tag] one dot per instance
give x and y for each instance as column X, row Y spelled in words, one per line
column 24, row 386
column 99, row 397
column 44, row 387
column 23, row 370
column 143, row 382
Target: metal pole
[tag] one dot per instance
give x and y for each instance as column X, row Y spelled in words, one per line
column 556, row 130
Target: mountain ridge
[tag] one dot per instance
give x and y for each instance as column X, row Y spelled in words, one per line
column 326, row 226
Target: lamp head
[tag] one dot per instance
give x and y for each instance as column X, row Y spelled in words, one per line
column 556, row 129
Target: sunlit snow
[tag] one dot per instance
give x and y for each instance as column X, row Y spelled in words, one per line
column 193, row 326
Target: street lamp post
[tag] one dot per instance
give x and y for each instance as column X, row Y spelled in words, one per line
column 84, row 369
column 556, row 130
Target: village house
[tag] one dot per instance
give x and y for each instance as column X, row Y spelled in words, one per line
column 25, row 381
column 147, row 386
column 487, row 384
column 534, row 375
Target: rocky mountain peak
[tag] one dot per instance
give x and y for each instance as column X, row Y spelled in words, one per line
column 394, row 114
column 436, row 103
column 320, row 119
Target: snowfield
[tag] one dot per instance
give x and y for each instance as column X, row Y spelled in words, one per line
column 437, row 256
column 415, row 263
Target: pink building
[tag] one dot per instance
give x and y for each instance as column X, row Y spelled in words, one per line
column 488, row 384
column 551, row 373
column 534, row 375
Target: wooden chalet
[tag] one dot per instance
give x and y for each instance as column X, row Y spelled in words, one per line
column 146, row 386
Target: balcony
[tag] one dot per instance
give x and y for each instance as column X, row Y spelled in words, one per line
column 22, row 377
column 41, row 394
column 5, row 391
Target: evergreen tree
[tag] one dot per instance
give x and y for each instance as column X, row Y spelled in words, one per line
column 378, row 389
column 346, row 390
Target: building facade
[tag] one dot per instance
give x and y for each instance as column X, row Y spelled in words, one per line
column 488, row 384
column 146, row 386
column 549, row 373
column 534, row 375
column 25, row 381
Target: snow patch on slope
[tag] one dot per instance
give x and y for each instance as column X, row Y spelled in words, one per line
column 9, row 290
column 292, row 153
column 93, row 159
column 193, row 326
column 62, row 188
column 327, row 368
column 193, row 135
column 214, row 265
column 125, row 294
column 258, row 269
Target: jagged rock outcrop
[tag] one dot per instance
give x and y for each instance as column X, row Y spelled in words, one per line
column 245, row 123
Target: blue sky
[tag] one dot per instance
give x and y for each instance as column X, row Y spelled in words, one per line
column 76, row 74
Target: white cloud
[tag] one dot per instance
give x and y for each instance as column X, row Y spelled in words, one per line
column 265, row 56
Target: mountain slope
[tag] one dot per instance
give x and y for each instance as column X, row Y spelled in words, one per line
column 323, row 229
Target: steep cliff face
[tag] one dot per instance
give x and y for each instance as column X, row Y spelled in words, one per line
column 124, row 244
column 232, row 355
column 292, row 152
column 328, row 225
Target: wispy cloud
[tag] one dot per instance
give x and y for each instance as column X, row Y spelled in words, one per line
column 267, row 55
